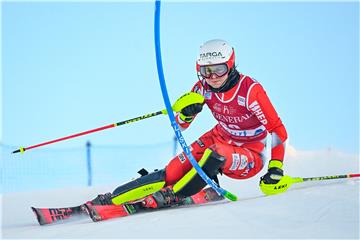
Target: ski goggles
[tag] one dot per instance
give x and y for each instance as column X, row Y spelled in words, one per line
column 219, row 70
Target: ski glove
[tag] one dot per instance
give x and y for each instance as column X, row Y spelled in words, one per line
column 187, row 113
column 274, row 174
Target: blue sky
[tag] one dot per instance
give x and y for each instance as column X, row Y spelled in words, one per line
column 70, row 67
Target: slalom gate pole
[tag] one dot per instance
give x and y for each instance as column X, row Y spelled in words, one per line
column 174, row 124
column 23, row 149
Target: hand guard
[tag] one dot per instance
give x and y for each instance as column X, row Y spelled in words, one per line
column 274, row 181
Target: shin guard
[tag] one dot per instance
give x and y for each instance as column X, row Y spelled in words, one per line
column 211, row 162
column 139, row 187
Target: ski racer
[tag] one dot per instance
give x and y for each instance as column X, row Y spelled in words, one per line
column 235, row 146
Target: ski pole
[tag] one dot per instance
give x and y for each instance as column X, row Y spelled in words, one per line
column 185, row 100
column 298, row 179
column 286, row 182
column 23, row 149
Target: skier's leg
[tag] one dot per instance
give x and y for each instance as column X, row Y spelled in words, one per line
column 109, row 205
column 211, row 162
column 244, row 161
column 180, row 164
column 236, row 162
column 153, row 182
column 139, row 187
column 189, row 184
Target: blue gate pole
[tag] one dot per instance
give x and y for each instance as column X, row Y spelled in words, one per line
column 175, row 145
column 171, row 116
column 88, row 162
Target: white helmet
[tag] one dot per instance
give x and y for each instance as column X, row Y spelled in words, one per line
column 216, row 51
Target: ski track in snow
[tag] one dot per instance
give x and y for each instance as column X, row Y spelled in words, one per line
column 313, row 210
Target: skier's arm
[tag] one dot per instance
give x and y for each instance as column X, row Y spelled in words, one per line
column 259, row 104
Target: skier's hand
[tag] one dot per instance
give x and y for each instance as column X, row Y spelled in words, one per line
column 274, row 174
column 187, row 113
column 192, row 109
column 274, row 182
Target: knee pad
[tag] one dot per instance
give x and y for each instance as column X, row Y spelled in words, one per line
column 211, row 162
column 139, row 188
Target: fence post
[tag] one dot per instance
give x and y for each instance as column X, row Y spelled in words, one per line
column 88, row 162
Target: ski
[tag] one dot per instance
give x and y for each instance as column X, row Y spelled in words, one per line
column 52, row 215
column 103, row 212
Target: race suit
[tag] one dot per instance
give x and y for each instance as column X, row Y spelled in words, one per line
column 245, row 115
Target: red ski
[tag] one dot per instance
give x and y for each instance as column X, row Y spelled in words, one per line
column 103, row 212
column 51, row 215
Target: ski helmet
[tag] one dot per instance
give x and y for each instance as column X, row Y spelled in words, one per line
column 217, row 57
column 214, row 52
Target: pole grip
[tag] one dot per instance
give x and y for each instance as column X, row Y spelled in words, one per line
column 21, row 149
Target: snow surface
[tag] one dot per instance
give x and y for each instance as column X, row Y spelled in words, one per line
column 326, row 209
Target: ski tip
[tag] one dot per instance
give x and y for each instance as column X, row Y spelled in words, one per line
column 39, row 216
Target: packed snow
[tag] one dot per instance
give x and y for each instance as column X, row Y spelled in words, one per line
column 323, row 209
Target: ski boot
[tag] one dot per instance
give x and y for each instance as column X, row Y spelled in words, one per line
column 162, row 199
column 102, row 208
